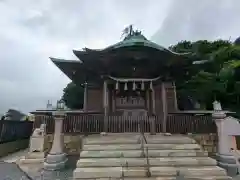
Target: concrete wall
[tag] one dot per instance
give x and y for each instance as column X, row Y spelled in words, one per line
column 72, row 144
column 14, row 146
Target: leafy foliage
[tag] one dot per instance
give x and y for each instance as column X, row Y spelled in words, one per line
column 73, row 96
column 216, row 77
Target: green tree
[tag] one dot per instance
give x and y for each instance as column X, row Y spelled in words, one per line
column 216, row 77
column 73, row 96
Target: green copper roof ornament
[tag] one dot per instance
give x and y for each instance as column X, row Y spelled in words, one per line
column 129, row 33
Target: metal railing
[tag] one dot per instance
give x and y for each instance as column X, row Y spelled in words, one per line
column 179, row 176
column 145, row 153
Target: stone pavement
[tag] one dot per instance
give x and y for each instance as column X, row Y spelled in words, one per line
column 14, row 156
column 9, row 170
column 37, row 173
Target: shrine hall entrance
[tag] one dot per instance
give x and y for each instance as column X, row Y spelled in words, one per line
column 132, row 99
column 131, row 103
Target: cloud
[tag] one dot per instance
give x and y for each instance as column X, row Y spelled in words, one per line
column 194, row 20
column 31, row 31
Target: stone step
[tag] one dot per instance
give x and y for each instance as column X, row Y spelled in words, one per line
column 138, row 153
column 188, row 171
column 118, row 172
column 104, row 141
column 169, row 178
column 134, row 139
column 138, row 146
column 174, row 139
column 142, row 162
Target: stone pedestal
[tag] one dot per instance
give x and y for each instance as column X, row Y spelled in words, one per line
column 36, row 152
column 224, row 155
column 38, row 139
column 56, row 159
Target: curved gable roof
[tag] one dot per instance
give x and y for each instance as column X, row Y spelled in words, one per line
column 132, row 40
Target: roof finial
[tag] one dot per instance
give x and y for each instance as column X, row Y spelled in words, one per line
column 128, row 31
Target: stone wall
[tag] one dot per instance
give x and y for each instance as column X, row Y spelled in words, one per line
column 207, row 141
column 72, row 144
column 14, row 146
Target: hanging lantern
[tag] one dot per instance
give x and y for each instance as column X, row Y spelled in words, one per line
column 117, row 85
column 134, row 86
column 151, row 85
column 125, row 86
column 142, row 86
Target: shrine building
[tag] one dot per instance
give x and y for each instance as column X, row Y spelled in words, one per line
column 134, row 77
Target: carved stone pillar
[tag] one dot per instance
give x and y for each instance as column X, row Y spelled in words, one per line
column 224, row 155
column 56, row 159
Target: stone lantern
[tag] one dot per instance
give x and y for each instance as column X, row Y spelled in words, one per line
column 56, row 159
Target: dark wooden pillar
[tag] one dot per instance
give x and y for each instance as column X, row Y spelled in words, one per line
column 164, row 106
column 105, row 105
column 85, row 103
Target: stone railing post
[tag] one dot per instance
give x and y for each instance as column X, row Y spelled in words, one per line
column 56, row 159
column 224, row 155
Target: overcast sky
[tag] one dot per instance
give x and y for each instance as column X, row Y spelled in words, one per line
column 33, row 30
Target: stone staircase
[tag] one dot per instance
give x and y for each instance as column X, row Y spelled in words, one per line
column 125, row 156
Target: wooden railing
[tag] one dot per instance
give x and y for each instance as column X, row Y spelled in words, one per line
column 44, row 119
column 15, row 130
column 96, row 123
column 190, row 123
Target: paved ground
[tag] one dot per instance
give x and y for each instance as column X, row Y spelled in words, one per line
column 14, row 156
column 10, row 171
column 65, row 174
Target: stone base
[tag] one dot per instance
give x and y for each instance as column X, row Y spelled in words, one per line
column 228, row 163
column 25, row 161
column 37, row 143
column 32, row 158
column 55, row 161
